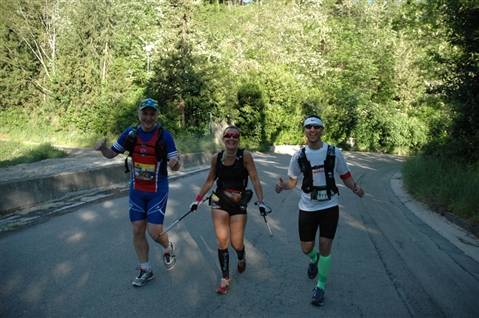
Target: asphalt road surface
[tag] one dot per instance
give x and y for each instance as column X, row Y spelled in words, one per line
column 386, row 261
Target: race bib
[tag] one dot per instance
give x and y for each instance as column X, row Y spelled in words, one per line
column 319, row 194
column 144, row 171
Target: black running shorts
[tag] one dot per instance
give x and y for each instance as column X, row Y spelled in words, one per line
column 326, row 220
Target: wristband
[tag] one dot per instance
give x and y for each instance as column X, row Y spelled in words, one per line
column 199, row 198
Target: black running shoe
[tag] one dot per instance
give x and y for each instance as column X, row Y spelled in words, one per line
column 313, row 268
column 318, row 296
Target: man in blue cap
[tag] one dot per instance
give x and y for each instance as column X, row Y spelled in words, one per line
column 152, row 150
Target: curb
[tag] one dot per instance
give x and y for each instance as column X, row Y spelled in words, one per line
column 419, row 208
column 474, row 230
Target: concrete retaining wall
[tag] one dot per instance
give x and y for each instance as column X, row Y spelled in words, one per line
column 22, row 194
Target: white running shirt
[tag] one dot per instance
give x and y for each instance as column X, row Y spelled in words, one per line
column 317, row 158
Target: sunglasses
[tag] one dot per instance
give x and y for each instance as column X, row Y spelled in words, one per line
column 234, row 136
column 311, row 126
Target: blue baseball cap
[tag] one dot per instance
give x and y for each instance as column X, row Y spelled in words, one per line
column 148, row 102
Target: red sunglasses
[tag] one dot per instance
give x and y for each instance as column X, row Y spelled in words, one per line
column 234, row 136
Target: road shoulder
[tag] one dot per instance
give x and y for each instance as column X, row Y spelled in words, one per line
column 466, row 241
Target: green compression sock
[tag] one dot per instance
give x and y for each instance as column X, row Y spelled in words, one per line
column 323, row 266
column 313, row 256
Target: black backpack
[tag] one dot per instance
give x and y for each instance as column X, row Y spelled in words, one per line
column 239, row 163
column 306, row 169
column 160, row 149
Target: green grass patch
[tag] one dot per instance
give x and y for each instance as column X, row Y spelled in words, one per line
column 15, row 153
column 444, row 183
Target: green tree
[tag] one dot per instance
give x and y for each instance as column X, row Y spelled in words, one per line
column 28, row 37
column 361, row 65
column 460, row 89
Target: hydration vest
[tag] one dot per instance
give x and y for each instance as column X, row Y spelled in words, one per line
column 307, row 171
column 160, row 149
column 237, row 175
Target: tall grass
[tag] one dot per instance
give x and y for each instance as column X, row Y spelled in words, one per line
column 14, row 153
column 444, row 183
column 49, row 136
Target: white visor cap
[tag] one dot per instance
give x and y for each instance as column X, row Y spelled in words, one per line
column 313, row 121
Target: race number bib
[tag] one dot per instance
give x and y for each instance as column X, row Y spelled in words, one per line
column 144, row 171
column 319, row 194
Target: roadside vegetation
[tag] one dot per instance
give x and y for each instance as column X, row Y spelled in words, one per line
column 444, row 185
column 396, row 77
column 14, row 153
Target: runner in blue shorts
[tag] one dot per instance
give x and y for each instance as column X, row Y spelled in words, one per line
column 152, row 150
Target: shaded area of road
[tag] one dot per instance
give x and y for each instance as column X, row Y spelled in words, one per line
column 387, row 261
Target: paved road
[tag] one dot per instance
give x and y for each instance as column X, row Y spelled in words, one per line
column 387, row 261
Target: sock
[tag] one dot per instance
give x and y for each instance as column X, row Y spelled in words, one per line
column 240, row 254
column 224, row 258
column 166, row 250
column 312, row 255
column 146, row 266
column 324, row 265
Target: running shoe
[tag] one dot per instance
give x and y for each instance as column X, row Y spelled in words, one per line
column 224, row 286
column 313, row 268
column 141, row 279
column 169, row 258
column 241, row 266
column 318, row 296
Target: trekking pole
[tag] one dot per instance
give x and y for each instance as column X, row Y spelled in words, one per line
column 266, row 221
column 181, row 218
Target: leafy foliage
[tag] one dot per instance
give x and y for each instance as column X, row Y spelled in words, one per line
column 376, row 72
column 460, row 88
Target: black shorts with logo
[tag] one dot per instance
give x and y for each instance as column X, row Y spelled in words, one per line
column 309, row 221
